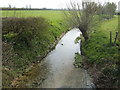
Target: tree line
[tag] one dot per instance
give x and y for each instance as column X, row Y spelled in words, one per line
column 25, row 8
column 108, row 9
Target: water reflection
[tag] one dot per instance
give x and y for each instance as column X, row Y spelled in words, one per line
column 61, row 73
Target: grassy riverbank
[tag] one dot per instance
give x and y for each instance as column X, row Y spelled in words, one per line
column 27, row 40
column 102, row 57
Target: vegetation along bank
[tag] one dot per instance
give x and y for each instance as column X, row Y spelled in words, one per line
column 100, row 56
column 27, row 41
column 99, row 27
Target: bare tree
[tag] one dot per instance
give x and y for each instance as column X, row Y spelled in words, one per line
column 81, row 17
column 109, row 9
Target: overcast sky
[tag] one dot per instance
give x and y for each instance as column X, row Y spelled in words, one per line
column 42, row 3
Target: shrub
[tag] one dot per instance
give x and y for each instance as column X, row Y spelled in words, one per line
column 25, row 35
column 23, row 30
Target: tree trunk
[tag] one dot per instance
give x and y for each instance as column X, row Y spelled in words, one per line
column 116, row 38
column 110, row 37
column 81, row 48
column 85, row 34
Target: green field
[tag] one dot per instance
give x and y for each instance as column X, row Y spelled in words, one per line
column 53, row 17
column 49, row 14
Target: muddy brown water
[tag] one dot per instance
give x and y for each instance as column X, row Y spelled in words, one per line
column 58, row 64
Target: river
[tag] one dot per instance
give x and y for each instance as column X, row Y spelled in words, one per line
column 58, row 64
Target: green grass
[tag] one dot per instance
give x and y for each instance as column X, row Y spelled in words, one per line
column 100, row 52
column 54, row 17
column 49, row 14
column 98, row 45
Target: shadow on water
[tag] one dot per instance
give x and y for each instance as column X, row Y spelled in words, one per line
column 61, row 72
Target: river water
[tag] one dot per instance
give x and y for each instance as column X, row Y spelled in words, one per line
column 61, row 72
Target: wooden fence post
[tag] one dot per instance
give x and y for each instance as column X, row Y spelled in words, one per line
column 110, row 37
column 116, row 38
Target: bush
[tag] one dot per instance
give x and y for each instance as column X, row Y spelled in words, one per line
column 23, row 30
column 25, row 35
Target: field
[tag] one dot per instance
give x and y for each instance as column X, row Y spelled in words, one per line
column 49, row 14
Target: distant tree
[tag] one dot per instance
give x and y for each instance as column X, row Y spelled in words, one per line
column 30, row 6
column 44, row 8
column 109, row 9
column 100, row 9
column 81, row 18
column 14, row 7
column 9, row 6
column 27, row 6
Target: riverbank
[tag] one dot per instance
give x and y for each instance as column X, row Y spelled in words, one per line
column 26, row 41
column 41, row 75
column 32, row 73
column 101, row 57
column 61, row 72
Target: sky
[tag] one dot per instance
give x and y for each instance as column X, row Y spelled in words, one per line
column 56, row 4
